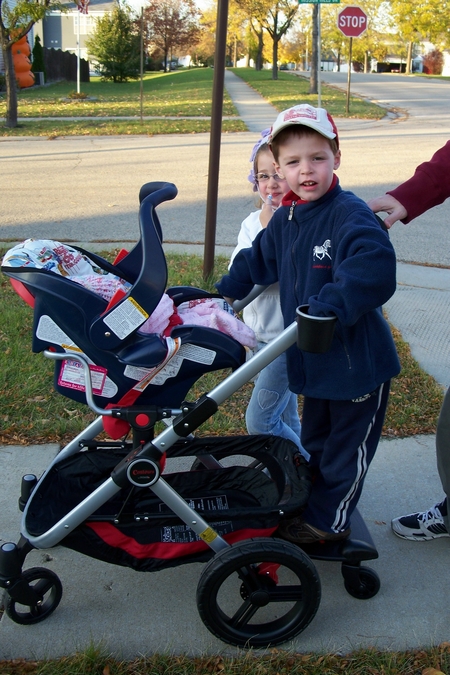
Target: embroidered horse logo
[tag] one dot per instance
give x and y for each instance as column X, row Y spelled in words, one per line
column 320, row 252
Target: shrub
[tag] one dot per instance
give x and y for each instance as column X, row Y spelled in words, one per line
column 433, row 62
column 38, row 65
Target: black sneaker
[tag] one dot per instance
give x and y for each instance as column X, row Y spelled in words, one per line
column 422, row 526
column 299, row 532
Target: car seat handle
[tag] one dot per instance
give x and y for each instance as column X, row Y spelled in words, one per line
column 115, row 326
column 257, row 289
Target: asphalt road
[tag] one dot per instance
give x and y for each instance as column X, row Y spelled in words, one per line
column 86, row 189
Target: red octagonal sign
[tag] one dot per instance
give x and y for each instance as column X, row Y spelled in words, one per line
column 352, row 21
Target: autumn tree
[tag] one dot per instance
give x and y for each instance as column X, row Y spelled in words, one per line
column 15, row 23
column 237, row 32
column 202, row 52
column 426, row 20
column 171, row 25
column 292, row 48
column 277, row 22
column 256, row 12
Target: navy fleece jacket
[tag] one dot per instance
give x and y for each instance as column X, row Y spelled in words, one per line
column 333, row 255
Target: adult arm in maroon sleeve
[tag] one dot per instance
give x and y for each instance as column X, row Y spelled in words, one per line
column 428, row 187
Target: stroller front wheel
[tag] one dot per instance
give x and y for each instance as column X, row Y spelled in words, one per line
column 258, row 592
column 45, row 587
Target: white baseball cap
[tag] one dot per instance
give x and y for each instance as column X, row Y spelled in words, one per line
column 316, row 118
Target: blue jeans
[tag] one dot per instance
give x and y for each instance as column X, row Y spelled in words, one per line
column 273, row 407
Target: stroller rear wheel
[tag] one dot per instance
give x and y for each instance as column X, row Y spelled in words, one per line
column 47, row 591
column 258, row 592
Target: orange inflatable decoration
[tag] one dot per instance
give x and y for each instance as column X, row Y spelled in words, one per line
column 22, row 65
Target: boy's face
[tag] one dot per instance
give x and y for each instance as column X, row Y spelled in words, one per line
column 307, row 162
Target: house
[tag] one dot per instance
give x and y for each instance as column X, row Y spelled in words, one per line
column 59, row 30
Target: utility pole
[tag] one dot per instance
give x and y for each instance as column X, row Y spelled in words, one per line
column 216, row 132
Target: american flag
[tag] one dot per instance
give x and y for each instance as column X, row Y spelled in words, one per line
column 82, row 6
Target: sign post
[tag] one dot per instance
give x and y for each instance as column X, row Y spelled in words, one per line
column 83, row 9
column 319, row 40
column 352, row 22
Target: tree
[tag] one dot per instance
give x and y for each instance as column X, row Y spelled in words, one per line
column 115, row 45
column 277, row 22
column 256, row 11
column 292, row 49
column 38, row 65
column 171, row 25
column 314, row 77
column 202, row 52
column 273, row 17
column 15, row 23
column 427, row 20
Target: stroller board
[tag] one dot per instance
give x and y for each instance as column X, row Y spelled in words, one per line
column 116, row 501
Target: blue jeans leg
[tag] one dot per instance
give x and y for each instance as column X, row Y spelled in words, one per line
column 273, row 408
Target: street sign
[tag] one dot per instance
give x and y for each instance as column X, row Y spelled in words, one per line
column 352, row 21
column 318, row 2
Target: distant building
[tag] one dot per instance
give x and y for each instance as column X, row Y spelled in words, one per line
column 59, row 30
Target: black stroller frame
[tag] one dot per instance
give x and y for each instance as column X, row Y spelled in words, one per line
column 255, row 590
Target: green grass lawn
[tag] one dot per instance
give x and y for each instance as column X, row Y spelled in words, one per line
column 291, row 89
column 180, row 94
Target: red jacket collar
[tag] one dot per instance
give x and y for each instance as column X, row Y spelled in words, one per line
column 291, row 198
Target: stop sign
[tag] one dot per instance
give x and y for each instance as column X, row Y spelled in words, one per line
column 352, row 21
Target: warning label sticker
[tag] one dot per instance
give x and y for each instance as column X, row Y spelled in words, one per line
column 48, row 331
column 72, row 376
column 125, row 318
column 211, row 503
column 186, row 351
column 182, row 534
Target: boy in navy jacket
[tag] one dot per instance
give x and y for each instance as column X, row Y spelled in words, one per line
column 327, row 250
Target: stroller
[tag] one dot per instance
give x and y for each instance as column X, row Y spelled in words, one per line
column 115, row 501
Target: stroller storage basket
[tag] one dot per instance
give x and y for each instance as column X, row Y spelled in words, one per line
column 137, row 530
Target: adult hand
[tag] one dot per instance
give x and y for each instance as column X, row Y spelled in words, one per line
column 389, row 205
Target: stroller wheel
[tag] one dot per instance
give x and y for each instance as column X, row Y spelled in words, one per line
column 366, row 584
column 258, row 592
column 47, row 589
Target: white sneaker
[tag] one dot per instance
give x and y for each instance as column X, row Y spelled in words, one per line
column 422, row 526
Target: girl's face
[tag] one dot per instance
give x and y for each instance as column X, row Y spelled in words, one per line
column 269, row 183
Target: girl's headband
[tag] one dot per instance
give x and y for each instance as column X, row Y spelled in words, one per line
column 262, row 141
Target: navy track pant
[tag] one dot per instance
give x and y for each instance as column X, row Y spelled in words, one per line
column 341, row 437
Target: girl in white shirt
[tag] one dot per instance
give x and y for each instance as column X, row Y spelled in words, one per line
column 273, row 408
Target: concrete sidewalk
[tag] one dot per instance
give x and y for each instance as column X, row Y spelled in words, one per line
column 132, row 614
